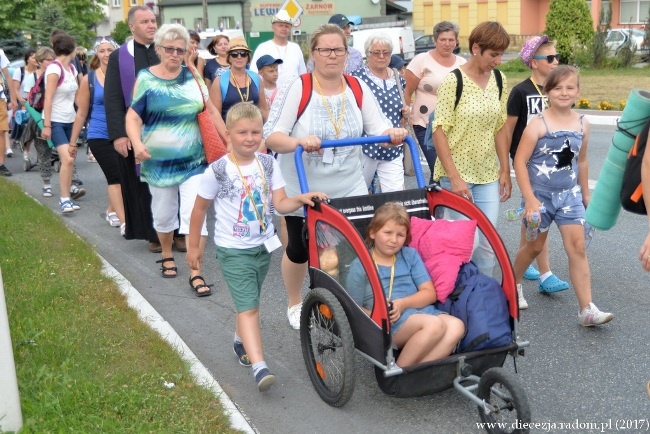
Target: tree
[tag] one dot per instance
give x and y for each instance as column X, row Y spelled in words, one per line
column 15, row 47
column 569, row 24
column 121, row 32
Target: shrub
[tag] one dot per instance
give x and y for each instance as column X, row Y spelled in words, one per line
column 514, row 65
column 583, row 103
column 121, row 32
column 604, row 105
column 569, row 24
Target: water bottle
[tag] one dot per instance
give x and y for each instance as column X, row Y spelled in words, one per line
column 589, row 233
column 514, row 215
column 532, row 228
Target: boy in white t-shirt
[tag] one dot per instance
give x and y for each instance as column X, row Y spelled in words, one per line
column 267, row 68
column 242, row 185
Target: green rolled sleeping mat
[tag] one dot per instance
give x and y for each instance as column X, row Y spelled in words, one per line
column 605, row 204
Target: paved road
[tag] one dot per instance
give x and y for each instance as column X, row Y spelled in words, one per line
column 570, row 373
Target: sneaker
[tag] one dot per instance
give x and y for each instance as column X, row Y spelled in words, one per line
column 66, row 206
column 76, row 192
column 77, row 181
column 591, row 316
column 264, row 380
column 293, row 314
column 47, row 191
column 75, row 206
column 9, row 153
column 241, row 354
column 112, row 219
column 523, row 304
column 4, row 171
column 553, row 284
column 531, row 273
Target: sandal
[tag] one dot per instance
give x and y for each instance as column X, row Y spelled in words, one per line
column 166, row 269
column 200, row 286
column 552, row 284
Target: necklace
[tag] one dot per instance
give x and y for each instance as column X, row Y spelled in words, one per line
column 539, row 92
column 242, row 96
column 248, row 190
column 102, row 72
column 277, row 47
column 336, row 124
column 392, row 274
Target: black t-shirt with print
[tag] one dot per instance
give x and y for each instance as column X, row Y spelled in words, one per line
column 525, row 102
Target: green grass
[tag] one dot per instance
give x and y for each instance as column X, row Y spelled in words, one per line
column 611, row 85
column 85, row 362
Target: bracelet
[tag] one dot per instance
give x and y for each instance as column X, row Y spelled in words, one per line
column 47, row 126
column 74, row 146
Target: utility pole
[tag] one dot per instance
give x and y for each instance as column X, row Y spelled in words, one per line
column 205, row 15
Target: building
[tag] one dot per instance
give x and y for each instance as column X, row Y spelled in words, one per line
column 521, row 18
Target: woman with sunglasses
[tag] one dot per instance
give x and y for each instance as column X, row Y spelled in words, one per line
column 332, row 112
column 164, row 133
column 238, row 84
column 215, row 67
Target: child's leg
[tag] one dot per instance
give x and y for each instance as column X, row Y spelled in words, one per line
column 425, row 336
column 248, row 328
column 454, row 331
column 543, row 262
column 573, row 238
column 527, row 253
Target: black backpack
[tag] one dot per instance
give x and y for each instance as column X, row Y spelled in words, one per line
column 631, row 188
column 459, row 84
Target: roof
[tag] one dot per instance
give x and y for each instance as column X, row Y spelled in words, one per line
column 402, row 5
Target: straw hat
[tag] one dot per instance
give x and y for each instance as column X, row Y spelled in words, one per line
column 238, row 44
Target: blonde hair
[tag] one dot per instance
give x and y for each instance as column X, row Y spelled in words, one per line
column 385, row 213
column 327, row 29
column 44, row 52
column 242, row 110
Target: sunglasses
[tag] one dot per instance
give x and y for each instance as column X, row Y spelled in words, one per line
column 171, row 50
column 550, row 58
column 237, row 54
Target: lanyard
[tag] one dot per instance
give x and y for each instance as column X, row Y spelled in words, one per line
column 392, row 274
column 243, row 97
column 540, row 93
column 336, row 124
column 248, row 190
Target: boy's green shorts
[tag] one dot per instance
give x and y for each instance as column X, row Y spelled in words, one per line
column 244, row 271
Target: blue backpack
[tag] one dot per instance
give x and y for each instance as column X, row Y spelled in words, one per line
column 478, row 300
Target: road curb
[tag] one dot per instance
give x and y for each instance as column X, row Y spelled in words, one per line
column 600, row 117
column 153, row 319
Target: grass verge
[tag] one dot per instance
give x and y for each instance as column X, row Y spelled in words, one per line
column 85, row 362
column 611, row 85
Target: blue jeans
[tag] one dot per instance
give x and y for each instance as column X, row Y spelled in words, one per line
column 61, row 133
column 486, row 197
column 429, row 153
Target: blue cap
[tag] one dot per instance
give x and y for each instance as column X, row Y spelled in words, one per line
column 267, row 60
column 396, row 62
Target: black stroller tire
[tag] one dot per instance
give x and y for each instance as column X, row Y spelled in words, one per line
column 513, row 409
column 327, row 347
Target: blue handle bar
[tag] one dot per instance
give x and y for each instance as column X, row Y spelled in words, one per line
column 415, row 154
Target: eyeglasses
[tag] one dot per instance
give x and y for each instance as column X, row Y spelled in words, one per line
column 47, row 60
column 380, row 53
column 550, row 58
column 237, row 54
column 171, row 50
column 326, row 52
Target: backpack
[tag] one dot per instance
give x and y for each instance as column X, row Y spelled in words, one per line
column 631, row 188
column 459, row 84
column 36, row 97
column 307, row 89
column 224, row 80
column 478, row 300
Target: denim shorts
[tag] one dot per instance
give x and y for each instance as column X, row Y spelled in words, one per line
column 61, row 133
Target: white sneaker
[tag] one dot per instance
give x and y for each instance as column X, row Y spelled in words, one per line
column 9, row 153
column 293, row 314
column 591, row 316
column 112, row 219
column 523, row 304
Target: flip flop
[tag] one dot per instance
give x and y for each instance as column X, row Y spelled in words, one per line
column 196, row 288
column 165, row 269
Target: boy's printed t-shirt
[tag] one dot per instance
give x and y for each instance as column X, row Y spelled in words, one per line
column 525, row 102
column 237, row 224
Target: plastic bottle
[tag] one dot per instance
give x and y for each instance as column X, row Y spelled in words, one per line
column 532, row 229
column 589, row 234
column 514, row 215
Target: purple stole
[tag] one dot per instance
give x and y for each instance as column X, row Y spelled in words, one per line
column 127, row 74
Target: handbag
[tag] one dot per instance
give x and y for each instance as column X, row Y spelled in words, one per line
column 408, row 159
column 213, row 144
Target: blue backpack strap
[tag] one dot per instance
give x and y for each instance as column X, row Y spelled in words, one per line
column 91, row 88
column 255, row 78
column 224, row 79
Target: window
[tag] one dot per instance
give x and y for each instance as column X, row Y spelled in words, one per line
column 180, row 21
column 634, row 11
column 226, row 22
column 198, row 24
column 133, row 2
column 117, row 3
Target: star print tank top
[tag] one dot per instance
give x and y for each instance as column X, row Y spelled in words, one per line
column 553, row 165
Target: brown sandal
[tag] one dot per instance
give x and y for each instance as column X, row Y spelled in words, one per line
column 166, row 269
column 199, row 286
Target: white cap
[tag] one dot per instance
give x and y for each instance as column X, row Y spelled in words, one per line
column 282, row 17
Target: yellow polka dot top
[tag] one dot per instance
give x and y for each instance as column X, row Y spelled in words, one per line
column 470, row 129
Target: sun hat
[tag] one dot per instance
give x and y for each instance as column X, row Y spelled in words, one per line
column 282, row 17
column 396, row 62
column 238, row 44
column 339, row 19
column 530, row 48
column 267, row 60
